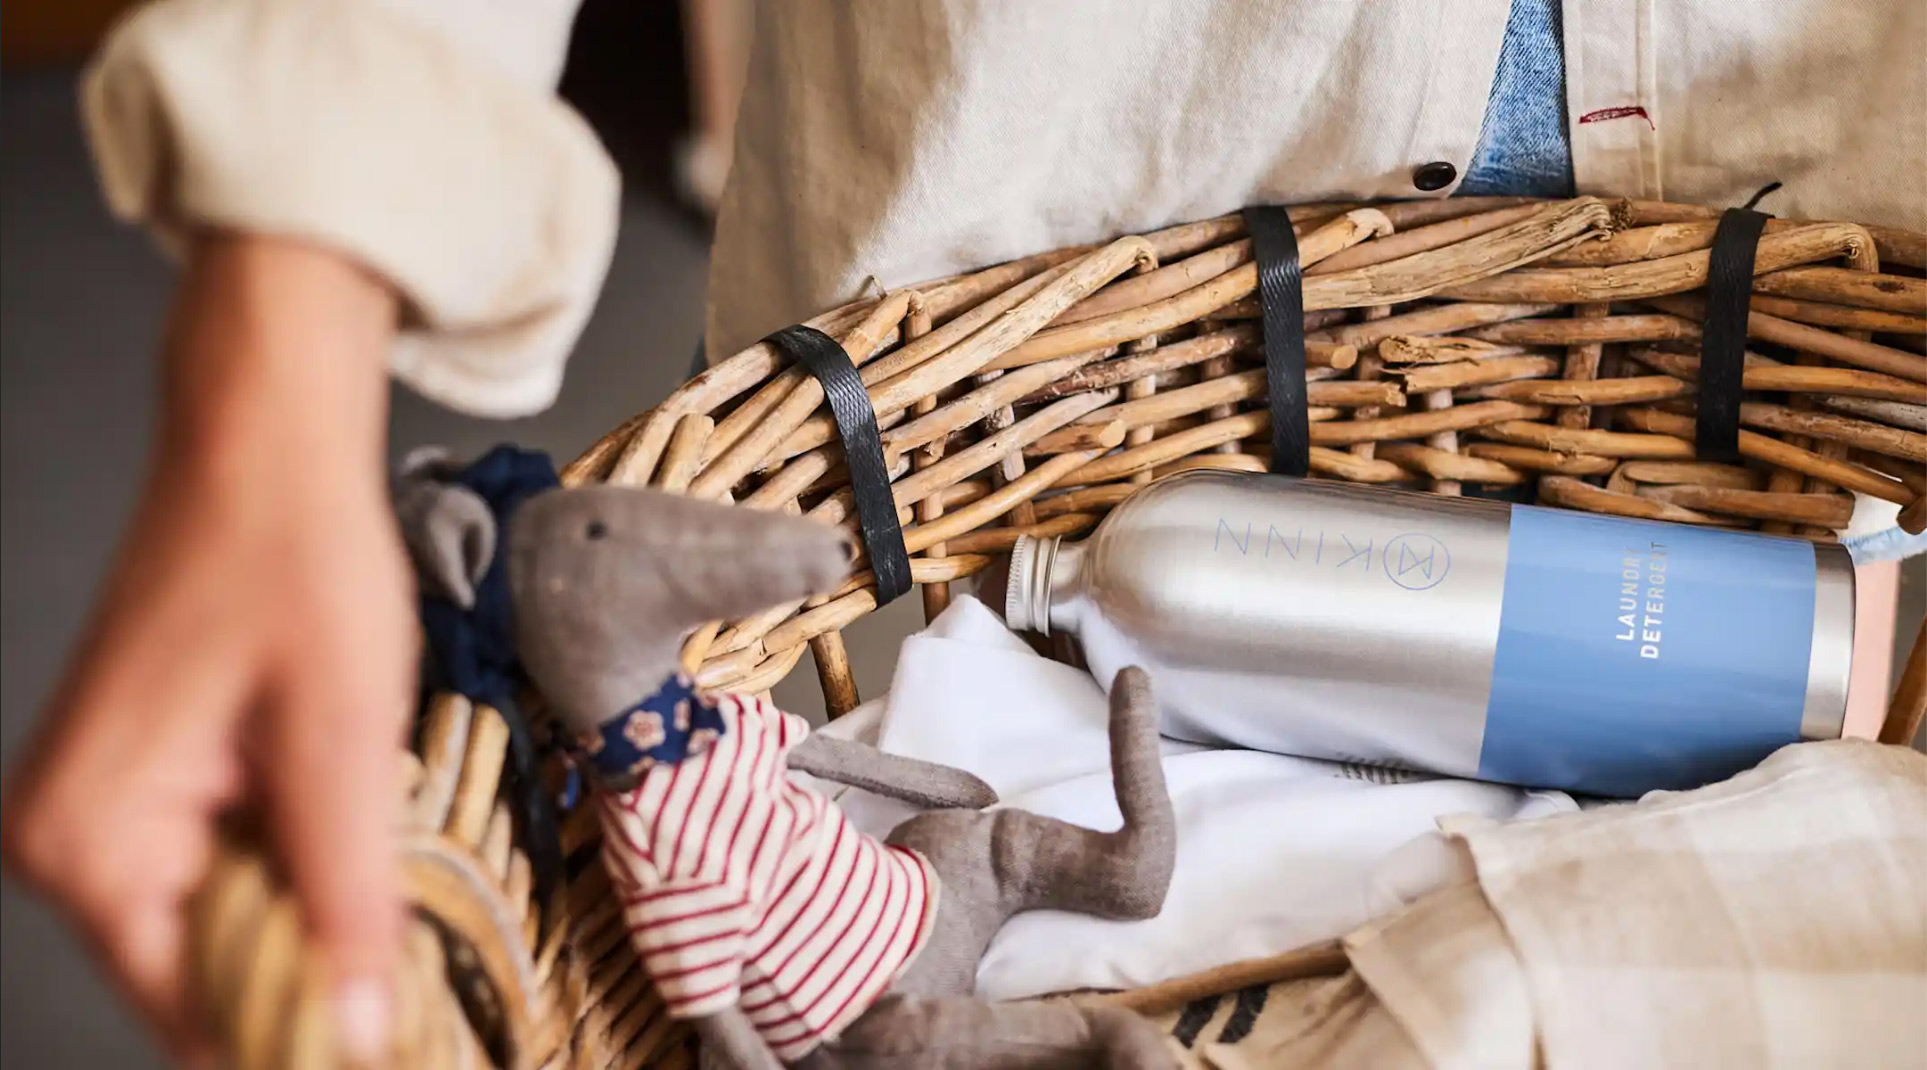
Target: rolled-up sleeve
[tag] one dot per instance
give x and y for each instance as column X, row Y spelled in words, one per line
column 422, row 138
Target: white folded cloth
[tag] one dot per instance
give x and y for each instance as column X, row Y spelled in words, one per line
column 1274, row 852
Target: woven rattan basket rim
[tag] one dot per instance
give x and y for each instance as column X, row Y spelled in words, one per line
column 1545, row 346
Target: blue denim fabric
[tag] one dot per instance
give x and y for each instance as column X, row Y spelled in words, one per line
column 1892, row 544
column 1523, row 146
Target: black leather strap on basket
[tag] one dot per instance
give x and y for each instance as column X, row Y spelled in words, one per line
column 856, row 425
column 1281, row 299
column 1729, row 294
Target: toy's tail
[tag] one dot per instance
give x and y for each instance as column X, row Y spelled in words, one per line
column 1147, row 843
column 1124, row 874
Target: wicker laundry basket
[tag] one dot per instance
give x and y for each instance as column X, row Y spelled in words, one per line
column 1546, row 347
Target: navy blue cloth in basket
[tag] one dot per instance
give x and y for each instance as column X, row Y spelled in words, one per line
column 472, row 651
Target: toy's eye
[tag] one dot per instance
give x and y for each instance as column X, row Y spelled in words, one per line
column 596, row 529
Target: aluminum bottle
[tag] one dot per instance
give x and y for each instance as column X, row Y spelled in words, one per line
column 1471, row 638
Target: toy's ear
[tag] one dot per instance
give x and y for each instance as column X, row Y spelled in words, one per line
column 423, row 461
column 450, row 534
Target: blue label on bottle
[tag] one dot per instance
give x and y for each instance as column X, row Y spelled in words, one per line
column 1634, row 655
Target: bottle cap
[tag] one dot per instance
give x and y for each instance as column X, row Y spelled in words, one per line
column 1027, row 592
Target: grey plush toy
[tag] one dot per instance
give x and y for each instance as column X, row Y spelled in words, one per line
column 783, row 934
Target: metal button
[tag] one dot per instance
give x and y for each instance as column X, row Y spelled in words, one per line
column 1435, row 175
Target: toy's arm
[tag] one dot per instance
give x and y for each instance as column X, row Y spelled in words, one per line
column 730, row 1042
column 914, row 781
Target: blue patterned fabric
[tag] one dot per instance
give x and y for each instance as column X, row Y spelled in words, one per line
column 669, row 726
column 1523, row 145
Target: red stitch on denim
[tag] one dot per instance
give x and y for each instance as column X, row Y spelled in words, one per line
column 1604, row 114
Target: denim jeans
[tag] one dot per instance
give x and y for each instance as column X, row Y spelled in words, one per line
column 1890, row 544
column 1523, row 149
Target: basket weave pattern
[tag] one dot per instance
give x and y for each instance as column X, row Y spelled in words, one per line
column 1549, row 347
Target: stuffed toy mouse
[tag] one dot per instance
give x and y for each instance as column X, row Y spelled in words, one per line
column 784, row 935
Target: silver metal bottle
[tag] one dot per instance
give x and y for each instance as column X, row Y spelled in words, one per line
column 1355, row 623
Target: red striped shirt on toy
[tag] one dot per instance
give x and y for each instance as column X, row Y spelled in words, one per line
column 739, row 887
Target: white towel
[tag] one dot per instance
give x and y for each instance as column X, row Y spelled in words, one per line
column 1274, row 852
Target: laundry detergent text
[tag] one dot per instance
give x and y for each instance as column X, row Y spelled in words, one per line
column 1642, row 599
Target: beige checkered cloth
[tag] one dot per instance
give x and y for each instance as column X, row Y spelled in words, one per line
column 1778, row 919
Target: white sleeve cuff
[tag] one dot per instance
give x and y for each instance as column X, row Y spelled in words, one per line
column 483, row 199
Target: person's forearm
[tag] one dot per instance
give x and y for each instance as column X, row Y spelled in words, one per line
column 275, row 365
column 255, row 635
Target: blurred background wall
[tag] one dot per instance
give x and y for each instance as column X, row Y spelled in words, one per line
column 53, row 34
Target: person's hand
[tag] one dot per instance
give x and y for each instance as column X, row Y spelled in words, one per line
column 255, row 644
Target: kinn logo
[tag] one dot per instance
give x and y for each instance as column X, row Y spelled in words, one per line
column 1416, row 561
